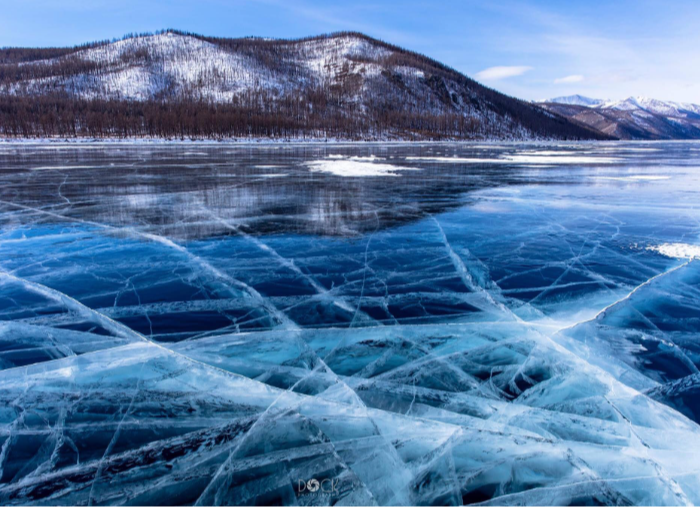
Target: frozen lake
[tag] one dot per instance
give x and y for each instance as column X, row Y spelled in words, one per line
column 395, row 324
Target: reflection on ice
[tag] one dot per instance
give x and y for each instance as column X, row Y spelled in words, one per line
column 188, row 327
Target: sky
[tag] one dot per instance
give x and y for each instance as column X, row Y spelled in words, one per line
column 532, row 49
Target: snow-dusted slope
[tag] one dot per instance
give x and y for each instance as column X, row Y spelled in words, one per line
column 337, row 79
column 140, row 68
column 172, row 61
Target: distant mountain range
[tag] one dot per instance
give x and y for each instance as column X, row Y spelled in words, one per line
column 176, row 84
column 632, row 118
column 575, row 100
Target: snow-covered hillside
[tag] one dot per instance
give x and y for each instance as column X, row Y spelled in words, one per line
column 141, row 68
column 319, row 83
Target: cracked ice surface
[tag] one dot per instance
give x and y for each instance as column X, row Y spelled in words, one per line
column 451, row 324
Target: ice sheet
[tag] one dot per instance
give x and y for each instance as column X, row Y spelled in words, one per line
column 181, row 327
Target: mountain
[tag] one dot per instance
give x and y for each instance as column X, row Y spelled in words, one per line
column 631, row 118
column 176, row 84
column 652, row 105
column 575, row 100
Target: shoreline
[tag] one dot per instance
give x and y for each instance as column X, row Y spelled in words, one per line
column 312, row 142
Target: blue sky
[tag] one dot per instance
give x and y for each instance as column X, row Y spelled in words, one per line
column 530, row 49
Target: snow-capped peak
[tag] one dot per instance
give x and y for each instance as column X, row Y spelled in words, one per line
column 638, row 103
column 662, row 107
column 636, row 117
column 575, row 100
column 628, row 104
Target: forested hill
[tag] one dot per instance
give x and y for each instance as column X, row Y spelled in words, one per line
column 174, row 84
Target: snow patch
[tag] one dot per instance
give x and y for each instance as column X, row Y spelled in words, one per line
column 558, row 159
column 63, row 167
column 677, row 250
column 540, row 159
column 355, row 167
column 455, row 160
column 635, row 177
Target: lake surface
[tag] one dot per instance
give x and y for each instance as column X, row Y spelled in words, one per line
column 353, row 324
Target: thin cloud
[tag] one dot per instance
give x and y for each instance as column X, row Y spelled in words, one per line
column 574, row 78
column 496, row 73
